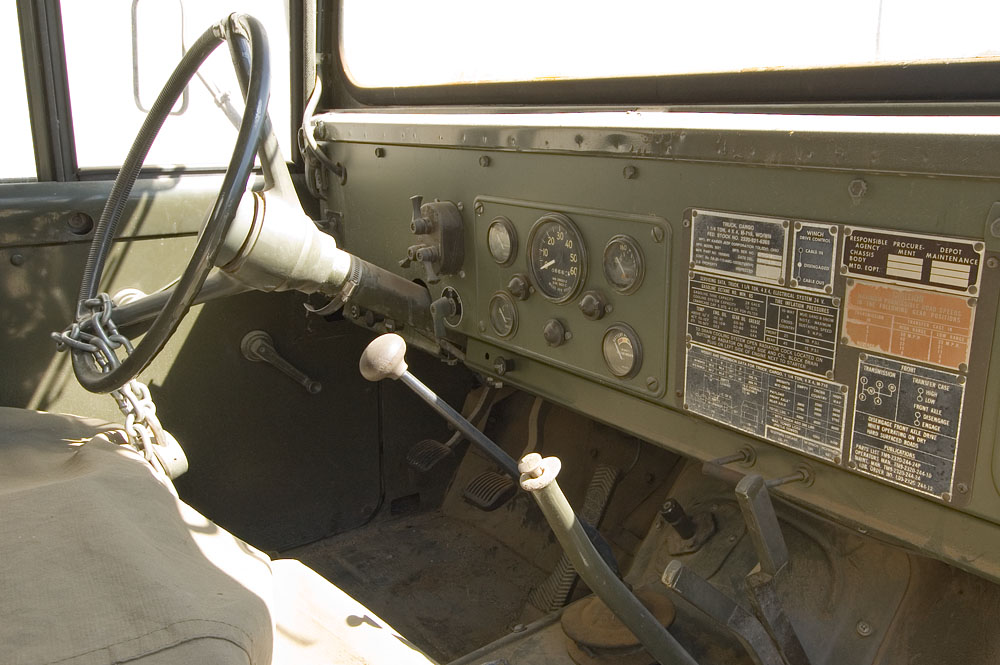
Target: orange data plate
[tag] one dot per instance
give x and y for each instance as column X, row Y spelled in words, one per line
column 910, row 323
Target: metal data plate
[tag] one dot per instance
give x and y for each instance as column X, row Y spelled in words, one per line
column 906, row 424
column 915, row 324
column 794, row 330
column 739, row 245
column 792, row 410
column 878, row 366
column 945, row 264
column 814, row 257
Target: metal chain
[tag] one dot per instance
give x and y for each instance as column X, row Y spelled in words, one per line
column 94, row 332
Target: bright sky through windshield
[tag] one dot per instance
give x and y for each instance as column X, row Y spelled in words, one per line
column 404, row 43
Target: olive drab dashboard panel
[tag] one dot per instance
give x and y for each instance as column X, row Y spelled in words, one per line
column 845, row 344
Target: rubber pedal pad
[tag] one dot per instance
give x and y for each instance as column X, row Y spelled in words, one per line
column 425, row 454
column 489, row 490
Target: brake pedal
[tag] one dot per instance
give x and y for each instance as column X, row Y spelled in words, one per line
column 489, row 490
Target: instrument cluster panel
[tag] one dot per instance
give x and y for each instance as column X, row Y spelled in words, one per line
column 582, row 289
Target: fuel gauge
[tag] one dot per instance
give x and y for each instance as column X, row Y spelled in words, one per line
column 624, row 266
column 622, row 351
column 503, row 314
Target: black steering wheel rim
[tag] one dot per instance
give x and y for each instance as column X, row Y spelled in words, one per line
column 248, row 46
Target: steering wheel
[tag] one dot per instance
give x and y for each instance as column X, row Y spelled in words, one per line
column 248, row 46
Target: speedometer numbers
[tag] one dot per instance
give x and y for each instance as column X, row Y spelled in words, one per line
column 557, row 257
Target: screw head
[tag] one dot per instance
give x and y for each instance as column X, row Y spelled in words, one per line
column 320, row 132
column 379, row 153
column 484, row 161
column 652, row 383
column 17, row 259
column 479, row 207
column 630, row 172
column 857, row 188
column 962, row 488
column 992, row 262
column 657, row 234
column 864, row 628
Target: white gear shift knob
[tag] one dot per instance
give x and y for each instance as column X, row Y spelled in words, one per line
column 384, row 358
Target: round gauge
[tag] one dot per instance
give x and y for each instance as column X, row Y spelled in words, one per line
column 503, row 314
column 623, row 264
column 557, row 257
column 502, row 241
column 622, row 351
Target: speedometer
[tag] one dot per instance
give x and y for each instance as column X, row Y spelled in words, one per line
column 557, row 257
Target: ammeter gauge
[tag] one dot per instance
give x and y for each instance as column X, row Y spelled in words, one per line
column 624, row 266
column 502, row 241
column 557, row 257
column 503, row 314
column 622, row 351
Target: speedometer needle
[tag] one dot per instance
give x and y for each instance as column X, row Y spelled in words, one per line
column 547, row 264
column 621, row 267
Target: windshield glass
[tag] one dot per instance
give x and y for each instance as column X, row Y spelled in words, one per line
column 386, row 43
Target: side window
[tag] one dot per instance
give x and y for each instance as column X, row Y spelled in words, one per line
column 18, row 160
column 120, row 52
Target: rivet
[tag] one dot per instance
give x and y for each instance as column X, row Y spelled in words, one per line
column 17, row 259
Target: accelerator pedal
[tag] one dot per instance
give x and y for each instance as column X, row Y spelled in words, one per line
column 555, row 591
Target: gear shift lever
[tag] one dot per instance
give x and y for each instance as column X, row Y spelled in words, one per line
column 384, row 358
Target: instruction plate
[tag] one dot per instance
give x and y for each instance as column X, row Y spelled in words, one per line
column 920, row 325
column 791, row 410
column 787, row 328
column 814, row 256
column 945, row 264
column 739, row 245
column 906, row 425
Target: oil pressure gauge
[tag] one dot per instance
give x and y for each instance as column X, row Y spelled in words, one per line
column 503, row 314
column 622, row 351
column 624, row 266
column 502, row 241
column 557, row 257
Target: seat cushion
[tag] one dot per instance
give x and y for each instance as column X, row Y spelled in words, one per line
column 100, row 562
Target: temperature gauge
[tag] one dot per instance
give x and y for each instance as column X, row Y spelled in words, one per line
column 503, row 314
column 623, row 264
column 622, row 351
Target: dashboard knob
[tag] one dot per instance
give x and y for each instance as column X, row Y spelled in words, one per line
column 554, row 332
column 593, row 305
column 519, row 287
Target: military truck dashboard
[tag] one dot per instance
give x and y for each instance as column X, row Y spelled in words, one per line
column 675, row 350
column 804, row 288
